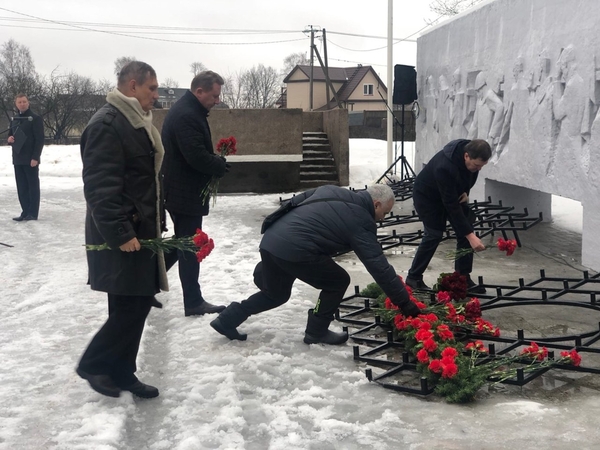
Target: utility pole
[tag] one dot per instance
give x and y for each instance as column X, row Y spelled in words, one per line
column 390, row 84
column 312, row 67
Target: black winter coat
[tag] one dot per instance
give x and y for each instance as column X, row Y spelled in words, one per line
column 190, row 161
column 34, row 142
column 120, row 190
column 438, row 187
column 330, row 227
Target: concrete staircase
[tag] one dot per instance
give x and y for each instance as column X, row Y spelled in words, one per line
column 317, row 167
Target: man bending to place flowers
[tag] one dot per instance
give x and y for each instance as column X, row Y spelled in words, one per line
column 300, row 245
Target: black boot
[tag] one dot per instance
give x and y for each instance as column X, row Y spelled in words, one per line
column 229, row 320
column 317, row 331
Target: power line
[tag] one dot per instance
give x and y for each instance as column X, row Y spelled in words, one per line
column 32, row 19
column 115, row 33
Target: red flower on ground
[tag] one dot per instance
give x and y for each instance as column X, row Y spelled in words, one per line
column 449, row 352
column 573, row 356
column 423, row 335
column 476, row 346
column 535, row 352
column 443, row 297
column 473, row 309
column 430, row 345
column 444, row 333
column 435, row 366
column 449, row 370
column 423, row 356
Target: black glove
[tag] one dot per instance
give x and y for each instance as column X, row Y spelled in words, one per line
column 409, row 309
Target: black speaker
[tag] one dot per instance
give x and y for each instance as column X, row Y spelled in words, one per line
column 405, row 85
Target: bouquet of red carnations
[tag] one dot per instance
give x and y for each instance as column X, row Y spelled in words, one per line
column 225, row 147
column 199, row 244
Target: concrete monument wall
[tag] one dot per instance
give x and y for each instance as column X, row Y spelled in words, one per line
column 525, row 76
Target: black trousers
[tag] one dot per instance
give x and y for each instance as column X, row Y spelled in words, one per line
column 28, row 189
column 426, row 250
column 434, row 229
column 113, row 350
column 189, row 267
column 275, row 277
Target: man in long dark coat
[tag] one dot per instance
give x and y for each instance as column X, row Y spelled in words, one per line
column 122, row 152
column 26, row 136
column 189, row 165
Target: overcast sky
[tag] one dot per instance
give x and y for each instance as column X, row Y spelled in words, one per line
column 60, row 33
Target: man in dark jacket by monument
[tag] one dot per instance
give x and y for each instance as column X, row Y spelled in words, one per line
column 189, row 165
column 300, row 245
column 441, row 192
column 26, row 136
column 122, row 153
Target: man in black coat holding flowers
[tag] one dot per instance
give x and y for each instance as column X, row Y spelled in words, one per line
column 441, row 193
column 300, row 245
column 190, row 164
column 121, row 153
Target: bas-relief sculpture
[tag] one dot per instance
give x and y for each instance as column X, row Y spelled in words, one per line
column 540, row 109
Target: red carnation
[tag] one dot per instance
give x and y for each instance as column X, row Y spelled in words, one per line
column 430, row 345
column 423, row 356
column 435, row 366
column 450, row 351
column 423, row 335
column 444, row 333
column 449, row 370
column 473, row 309
column 443, row 297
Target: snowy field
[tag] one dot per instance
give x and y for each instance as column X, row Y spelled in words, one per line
column 269, row 392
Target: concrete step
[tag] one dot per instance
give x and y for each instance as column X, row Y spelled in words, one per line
column 307, row 184
column 312, row 175
column 325, row 162
column 316, row 152
column 321, row 147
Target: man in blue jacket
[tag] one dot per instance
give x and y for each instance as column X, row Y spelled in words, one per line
column 441, row 193
column 300, row 245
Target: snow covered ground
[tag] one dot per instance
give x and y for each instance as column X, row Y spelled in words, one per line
column 270, row 392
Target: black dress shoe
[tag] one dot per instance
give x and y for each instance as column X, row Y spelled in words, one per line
column 155, row 303
column 29, row 217
column 141, row 390
column 18, row 219
column 417, row 284
column 204, row 308
column 103, row 384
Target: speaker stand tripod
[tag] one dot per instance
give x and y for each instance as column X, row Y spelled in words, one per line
column 406, row 171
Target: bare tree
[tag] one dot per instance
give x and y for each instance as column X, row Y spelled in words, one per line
column 293, row 60
column 68, row 103
column 451, row 7
column 169, row 83
column 196, row 67
column 233, row 90
column 120, row 62
column 261, row 87
column 17, row 74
